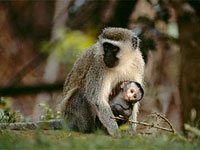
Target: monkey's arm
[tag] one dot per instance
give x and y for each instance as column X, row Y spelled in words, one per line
column 98, row 97
column 105, row 115
column 133, row 117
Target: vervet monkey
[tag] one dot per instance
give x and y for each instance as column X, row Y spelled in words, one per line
column 114, row 58
column 129, row 94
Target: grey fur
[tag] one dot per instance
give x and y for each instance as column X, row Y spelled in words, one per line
column 87, row 87
column 123, row 105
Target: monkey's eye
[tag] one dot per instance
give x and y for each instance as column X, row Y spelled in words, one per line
column 115, row 50
column 110, row 47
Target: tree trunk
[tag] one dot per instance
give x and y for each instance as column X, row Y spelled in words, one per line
column 52, row 66
column 189, row 29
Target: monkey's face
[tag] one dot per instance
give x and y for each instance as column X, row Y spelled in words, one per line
column 119, row 47
column 110, row 54
column 132, row 91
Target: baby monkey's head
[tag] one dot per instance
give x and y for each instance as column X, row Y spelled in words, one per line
column 132, row 91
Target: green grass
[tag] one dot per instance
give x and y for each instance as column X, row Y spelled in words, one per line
column 51, row 140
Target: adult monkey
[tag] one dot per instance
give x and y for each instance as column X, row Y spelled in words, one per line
column 114, row 58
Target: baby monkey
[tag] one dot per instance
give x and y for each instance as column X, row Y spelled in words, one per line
column 122, row 103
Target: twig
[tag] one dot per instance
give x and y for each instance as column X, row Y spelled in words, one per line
column 166, row 120
column 146, row 133
column 145, row 124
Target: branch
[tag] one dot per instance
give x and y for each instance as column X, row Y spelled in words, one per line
column 30, row 65
column 166, row 120
column 30, row 89
column 145, row 124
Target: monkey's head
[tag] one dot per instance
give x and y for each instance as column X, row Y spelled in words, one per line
column 117, row 43
column 125, row 96
column 132, row 91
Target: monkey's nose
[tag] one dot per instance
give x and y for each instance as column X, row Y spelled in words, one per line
column 134, row 95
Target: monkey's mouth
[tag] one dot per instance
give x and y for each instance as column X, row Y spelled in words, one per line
column 132, row 101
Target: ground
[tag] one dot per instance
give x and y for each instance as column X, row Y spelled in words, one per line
column 60, row 139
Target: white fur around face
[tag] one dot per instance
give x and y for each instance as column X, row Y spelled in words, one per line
column 130, row 67
column 131, row 64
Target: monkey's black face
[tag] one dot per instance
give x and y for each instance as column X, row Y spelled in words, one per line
column 110, row 52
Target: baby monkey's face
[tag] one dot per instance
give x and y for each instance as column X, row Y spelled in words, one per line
column 131, row 92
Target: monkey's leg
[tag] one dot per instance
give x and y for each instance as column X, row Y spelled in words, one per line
column 133, row 117
column 79, row 114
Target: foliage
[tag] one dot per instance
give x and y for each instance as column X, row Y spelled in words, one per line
column 51, row 140
column 193, row 132
column 7, row 117
column 48, row 113
column 6, row 114
column 70, row 45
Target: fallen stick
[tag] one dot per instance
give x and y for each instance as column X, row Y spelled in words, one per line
column 146, row 124
column 166, row 120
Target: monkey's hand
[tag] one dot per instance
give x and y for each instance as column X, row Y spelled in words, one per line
column 105, row 115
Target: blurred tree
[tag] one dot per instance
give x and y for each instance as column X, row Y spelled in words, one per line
column 188, row 19
column 24, row 25
column 151, row 20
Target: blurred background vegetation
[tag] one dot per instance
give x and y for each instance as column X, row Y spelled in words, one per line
column 40, row 40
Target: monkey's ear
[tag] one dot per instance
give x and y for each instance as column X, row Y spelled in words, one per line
column 136, row 42
column 141, row 89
